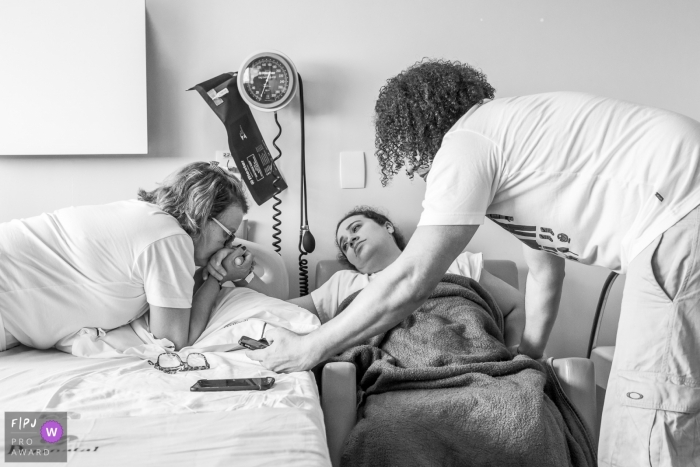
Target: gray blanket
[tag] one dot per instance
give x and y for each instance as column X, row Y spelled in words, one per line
column 441, row 389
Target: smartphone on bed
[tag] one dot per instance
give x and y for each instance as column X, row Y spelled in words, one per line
column 252, row 344
column 242, row 384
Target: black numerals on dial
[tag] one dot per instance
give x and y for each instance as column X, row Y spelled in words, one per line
column 268, row 80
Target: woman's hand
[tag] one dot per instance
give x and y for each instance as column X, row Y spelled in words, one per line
column 214, row 266
column 238, row 264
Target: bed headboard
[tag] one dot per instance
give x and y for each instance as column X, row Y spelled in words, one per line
column 269, row 267
column 504, row 269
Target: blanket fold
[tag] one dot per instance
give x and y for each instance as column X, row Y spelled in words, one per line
column 441, row 388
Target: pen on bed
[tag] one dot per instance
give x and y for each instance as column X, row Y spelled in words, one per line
column 262, row 335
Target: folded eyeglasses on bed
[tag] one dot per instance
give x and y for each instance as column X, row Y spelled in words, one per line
column 172, row 363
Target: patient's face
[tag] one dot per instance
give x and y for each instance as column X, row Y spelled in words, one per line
column 367, row 245
column 212, row 237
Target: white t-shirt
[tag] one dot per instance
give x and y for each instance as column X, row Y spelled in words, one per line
column 91, row 266
column 344, row 283
column 590, row 179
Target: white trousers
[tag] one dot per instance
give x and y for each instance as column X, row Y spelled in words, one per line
column 651, row 415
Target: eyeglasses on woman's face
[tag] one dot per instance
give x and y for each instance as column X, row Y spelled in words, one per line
column 230, row 235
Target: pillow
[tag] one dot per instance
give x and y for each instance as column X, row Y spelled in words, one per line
column 236, row 312
column 243, row 312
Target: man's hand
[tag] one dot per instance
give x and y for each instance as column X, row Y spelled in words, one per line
column 525, row 348
column 385, row 302
column 286, row 353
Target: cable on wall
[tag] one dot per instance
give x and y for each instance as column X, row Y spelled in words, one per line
column 277, row 222
column 307, row 243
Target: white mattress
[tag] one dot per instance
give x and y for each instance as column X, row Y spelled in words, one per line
column 121, row 411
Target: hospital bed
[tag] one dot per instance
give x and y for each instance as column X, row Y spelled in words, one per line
column 338, row 395
column 122, row 411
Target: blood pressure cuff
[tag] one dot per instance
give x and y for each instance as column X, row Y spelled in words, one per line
column 247, row 146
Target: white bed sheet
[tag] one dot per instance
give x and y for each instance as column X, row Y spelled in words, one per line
column 121, row 411
column 136, row 415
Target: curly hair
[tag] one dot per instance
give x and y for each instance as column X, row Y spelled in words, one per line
column 417, row 107
column 372, row 214
column 196, row 193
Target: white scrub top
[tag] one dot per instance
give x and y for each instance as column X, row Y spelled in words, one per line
column 587, row 178
column 342, row 284
column 91, row 266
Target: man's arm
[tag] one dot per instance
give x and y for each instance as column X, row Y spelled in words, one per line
column 512, row 305
column 542, row 295
column 396, row 293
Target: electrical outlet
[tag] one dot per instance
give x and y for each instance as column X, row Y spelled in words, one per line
column 221, row 156
column 225, row 160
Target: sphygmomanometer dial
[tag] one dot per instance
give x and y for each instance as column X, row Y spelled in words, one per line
column 267, row 81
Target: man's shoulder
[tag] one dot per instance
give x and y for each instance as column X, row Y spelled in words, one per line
column 546, row 99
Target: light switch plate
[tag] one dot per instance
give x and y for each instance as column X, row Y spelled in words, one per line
column 352, row 169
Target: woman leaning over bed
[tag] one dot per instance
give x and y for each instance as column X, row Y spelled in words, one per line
column 104, row 266
column 369, row 242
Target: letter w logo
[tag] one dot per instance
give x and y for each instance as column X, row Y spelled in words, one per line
column 51, row 432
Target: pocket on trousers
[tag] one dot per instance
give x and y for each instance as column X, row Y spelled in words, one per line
column 659, row 270
column 630, row 446
column 651, row 391
column 673, row 439
column 662, row 415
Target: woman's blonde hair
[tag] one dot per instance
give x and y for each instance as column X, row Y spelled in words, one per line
column 197, row 192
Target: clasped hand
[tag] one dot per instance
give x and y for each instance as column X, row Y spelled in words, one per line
column 230, row 264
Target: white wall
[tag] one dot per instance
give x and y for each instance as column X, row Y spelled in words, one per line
column 77, row 70
column 643, row 51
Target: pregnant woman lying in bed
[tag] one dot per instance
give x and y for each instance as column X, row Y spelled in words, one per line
column 442, row 388
column 369, row 242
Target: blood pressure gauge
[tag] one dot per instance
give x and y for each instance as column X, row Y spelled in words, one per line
column 267, row 81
